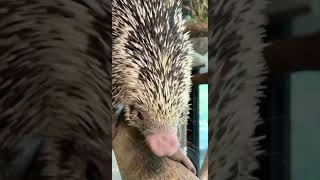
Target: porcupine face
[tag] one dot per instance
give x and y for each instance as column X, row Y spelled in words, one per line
column 151, row 56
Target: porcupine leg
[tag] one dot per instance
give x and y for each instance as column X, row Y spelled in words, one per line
column 182, row 158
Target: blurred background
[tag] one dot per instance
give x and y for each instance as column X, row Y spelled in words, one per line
column 195, row 134
column 291, row 109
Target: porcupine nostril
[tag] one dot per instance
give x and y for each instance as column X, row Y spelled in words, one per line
column 163, row 143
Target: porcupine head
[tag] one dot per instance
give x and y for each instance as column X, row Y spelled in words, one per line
column 152, row 69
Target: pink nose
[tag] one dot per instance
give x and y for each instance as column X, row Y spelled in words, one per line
column 164, row 143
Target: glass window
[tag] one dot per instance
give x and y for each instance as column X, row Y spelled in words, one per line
column 305, row 123
column 203, row 122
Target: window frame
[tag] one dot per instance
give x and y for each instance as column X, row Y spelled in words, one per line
column 193, row 122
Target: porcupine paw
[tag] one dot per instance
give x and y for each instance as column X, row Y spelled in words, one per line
column 182, row 158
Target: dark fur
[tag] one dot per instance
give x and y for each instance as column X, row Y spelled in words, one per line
column 236, row 71
column 55, row 82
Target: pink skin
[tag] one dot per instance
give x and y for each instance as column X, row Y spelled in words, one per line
column 164, row 143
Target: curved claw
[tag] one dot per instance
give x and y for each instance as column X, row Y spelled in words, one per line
column 183, row 159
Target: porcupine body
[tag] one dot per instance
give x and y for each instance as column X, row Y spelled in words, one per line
column 236, row 71
column 151, row 65
column 55, row 83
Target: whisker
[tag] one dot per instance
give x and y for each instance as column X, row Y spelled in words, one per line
column 191, row 152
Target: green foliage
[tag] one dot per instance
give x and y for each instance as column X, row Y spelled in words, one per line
column 196, row 10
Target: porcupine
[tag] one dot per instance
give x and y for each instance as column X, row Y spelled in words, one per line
column 151, row 71
column 55, row 89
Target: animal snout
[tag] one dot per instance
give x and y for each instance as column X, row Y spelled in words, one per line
column 163, row 143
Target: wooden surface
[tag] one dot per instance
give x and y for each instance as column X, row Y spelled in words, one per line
column 282, row 9
column 200, row 79
column 197, row 64
column 294, row 54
